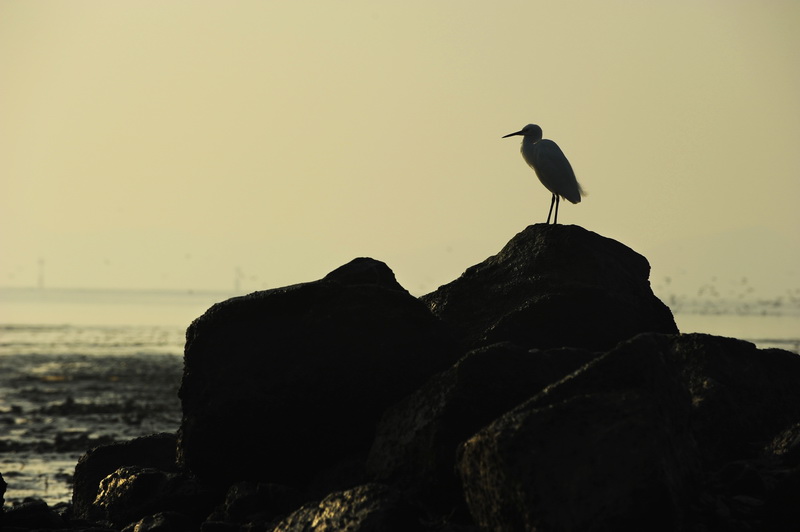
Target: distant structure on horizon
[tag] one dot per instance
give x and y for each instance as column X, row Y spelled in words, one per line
column 40, row 278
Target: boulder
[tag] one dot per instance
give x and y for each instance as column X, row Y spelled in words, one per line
column 554, row 286
column 608, row 447
column 782, row 510
column 416, row 441
column 31, row 514
column 786, row 445
column 131, row 494
column 155, row 450
column 366, row 508
column 742, row 397
column 162, row 522
column 254, row 502
column 283, row 383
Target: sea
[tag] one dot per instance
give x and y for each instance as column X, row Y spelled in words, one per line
column 81, row 368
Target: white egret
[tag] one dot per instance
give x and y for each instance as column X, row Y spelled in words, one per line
column 551, row 166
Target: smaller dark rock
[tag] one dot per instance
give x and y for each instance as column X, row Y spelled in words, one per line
column 3, row 487
column 247, row 502
column 742, row 479
column 786, row 445
column 782, row 508
column 31, row 514
column 162, row 522
column 156, row 450
column 367, row 508
column 133, row 493
column 346, row 473
column 220, row 526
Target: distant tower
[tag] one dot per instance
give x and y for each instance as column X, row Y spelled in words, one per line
column 40, row 279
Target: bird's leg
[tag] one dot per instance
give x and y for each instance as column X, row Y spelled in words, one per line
column 552, row 202
column 555, row 218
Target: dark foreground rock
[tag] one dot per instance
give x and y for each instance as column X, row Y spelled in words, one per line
column 281, row 384
column 154, row 451
column 131, row 494
column 345, row 404
column 640, row 435
column 607, row 448
column 416, row 441
column 742, row 397
column 3, row 487
column 32, row 514
column 554, row 286
column 367, row 508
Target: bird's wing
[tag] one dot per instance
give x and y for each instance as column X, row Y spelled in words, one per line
column 555, row 172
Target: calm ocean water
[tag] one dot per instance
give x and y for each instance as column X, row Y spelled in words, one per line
column 81, row 368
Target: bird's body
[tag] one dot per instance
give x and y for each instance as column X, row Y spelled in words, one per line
column 551, row 166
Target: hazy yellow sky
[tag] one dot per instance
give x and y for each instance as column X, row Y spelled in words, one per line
column 166, row 144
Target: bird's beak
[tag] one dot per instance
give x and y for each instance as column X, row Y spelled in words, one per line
column 512, row 134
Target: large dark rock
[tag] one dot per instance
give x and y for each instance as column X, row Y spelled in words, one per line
column 742, row 397
column 280, row 384
column 554, row 286
column 609, row 447
column 417, row 438
column 156, row 451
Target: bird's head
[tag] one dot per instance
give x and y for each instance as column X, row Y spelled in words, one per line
column 531, row 130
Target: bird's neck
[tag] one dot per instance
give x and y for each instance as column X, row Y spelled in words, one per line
column 527, row 149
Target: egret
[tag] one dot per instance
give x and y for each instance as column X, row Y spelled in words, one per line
column 551, row 167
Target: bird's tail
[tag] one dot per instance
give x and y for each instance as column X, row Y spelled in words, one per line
column 576, row 197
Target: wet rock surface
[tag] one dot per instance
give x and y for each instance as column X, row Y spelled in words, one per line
column 346, row 404
column 155, row 451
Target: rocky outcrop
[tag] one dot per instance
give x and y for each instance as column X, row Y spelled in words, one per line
column 554, row 286
column 545, row 389
column 282, row 384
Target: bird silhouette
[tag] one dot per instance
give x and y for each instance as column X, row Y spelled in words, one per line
column 551, row 167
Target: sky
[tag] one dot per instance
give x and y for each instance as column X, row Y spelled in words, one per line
column 199, row 145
